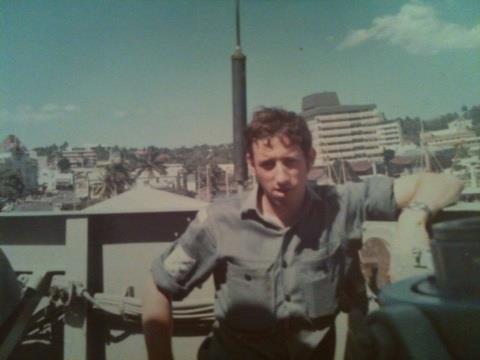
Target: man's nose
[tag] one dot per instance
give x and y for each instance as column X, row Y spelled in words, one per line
column 281, row 174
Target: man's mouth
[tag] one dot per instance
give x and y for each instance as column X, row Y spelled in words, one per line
column 282, row 190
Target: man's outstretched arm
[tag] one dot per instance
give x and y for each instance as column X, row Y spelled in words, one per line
column 157, row 322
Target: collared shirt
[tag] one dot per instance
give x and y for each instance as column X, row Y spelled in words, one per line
column 267, row 277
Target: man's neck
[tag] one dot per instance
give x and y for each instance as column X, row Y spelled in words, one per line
column 283, row 214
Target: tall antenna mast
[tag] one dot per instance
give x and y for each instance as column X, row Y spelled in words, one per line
column 239, row 101
column 237, row 23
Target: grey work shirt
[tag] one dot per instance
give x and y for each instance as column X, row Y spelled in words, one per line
column 269, row 278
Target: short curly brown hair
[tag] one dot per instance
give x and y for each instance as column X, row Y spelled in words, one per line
column 269, row 122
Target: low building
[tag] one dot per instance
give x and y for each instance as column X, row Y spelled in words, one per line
column 47, row 178
column 173, row 169
column 80, row 157
column 64, row 181
column 459, row 132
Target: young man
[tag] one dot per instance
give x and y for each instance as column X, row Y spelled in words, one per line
column 282, row 254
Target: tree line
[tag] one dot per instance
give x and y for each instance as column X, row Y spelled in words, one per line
column 411, row 127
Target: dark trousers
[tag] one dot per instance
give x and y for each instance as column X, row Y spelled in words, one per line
column 326, row 349
column 216, row 347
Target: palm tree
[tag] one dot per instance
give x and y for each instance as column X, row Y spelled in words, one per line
column 152, row 162
column 116, row 180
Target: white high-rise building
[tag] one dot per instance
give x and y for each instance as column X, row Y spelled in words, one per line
column 349, row 132
column 389, row 134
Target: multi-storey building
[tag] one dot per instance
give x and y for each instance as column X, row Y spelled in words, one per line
column 389, row 134
column 348, row 132
column 80, row 157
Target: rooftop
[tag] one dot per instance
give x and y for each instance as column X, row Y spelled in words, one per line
column 146, row 199
column 328, row 103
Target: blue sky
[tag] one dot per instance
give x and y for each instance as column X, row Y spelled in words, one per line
column 139, row 73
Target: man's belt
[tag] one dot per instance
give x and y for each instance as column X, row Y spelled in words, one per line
column 281, row 327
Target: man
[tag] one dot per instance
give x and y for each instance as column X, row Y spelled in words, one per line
column 281, row 255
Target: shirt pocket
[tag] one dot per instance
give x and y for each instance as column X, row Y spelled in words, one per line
column 318, row 279
column 250, row 297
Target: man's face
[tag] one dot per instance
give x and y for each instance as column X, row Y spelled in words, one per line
column 281, row 169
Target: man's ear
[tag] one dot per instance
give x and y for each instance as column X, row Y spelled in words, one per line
column 312, row 154
column 250, row 163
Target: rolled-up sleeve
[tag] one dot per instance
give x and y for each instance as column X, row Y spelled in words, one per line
column 379, row 199
column 372, row 199
column 188, row 261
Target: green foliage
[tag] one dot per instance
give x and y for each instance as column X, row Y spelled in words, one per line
column 410, row 129
column 11, row 185
column 116, row 180
column 474, row 115
column 440, row 122
column 203, row 154
column 64, row 146
column 64, row 165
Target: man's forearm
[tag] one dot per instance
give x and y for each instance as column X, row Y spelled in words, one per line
column 157, row 323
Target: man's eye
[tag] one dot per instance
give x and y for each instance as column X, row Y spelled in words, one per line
column 290, row 162
column 269, row 165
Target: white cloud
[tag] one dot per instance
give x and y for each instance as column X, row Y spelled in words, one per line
column 70, row 108
column 49, row 108
column 27, row 114
column 119, row 114
column 418, row 29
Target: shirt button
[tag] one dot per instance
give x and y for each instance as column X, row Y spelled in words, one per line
column 248, row 277
column 287, row 297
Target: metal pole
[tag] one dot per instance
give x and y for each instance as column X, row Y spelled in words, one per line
column 227, row 188
column 209, row 184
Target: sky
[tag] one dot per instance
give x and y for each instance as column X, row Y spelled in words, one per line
column 155, row 72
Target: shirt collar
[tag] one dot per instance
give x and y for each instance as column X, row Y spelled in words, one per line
column 249, row 200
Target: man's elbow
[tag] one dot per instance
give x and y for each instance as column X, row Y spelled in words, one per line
column 453, row 183
column 457, row 183
column 448, row 188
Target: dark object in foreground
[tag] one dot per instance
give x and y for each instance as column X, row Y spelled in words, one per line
column 434, row 317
